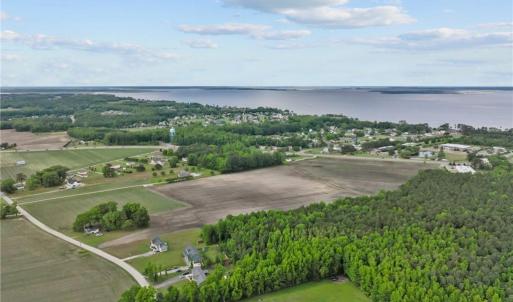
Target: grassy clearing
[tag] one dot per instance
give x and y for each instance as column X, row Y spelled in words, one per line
column 456, row 156
column 173, row 257
column 73, row 159
column 60, row 213
column 38, row 267
column 323, row 291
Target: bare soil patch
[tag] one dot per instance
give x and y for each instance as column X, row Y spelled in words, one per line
column 31, row 141
column 284, row 187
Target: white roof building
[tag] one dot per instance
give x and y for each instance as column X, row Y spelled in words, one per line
column 464, row 169
column 456, row 147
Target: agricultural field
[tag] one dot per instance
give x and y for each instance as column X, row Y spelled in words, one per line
column 73, row 159
column 59, row 213
column 34, row 141
column 38, row 267
column 284, row 187
column 322, row 291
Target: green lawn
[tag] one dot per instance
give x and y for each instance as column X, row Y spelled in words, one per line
column 60, row 213
column 39, row 267
column 73, row 159
column 173, row 257
column 323, row 291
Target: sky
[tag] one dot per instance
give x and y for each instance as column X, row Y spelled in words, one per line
column 256, row 42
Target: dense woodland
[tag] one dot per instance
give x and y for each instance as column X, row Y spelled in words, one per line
column 440, row 237
column 227, row 158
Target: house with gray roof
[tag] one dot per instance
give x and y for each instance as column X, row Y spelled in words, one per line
column 192, row 256
column 157, row 245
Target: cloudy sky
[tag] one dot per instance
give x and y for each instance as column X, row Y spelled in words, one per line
column 256, row 42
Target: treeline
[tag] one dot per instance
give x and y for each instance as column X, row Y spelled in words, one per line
column 107, row 217
column 41, row 124
column 229, row 157
column 121, row 137
column 440, row 237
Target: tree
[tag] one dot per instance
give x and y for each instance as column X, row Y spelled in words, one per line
column 130, row 294
column 146, row 294
column 7, row 186
column 140, row 168
column 108, row 171
column 50, row 179
column 20, row 177
column 441, row 154
column 347, row 148
column 141, row 217
column 112, row 221
column 8, row 209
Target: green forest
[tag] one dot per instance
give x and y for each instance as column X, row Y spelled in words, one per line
column 439, row 237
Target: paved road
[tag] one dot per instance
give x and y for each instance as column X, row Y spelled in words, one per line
column 138, row 277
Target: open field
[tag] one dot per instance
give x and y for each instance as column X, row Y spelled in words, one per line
column 323, row 291
column 38, row 267
column 73, row 159
column 34, row 141
column 283, row 187
column 60, row 213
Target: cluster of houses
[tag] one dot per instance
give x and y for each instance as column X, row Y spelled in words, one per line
column 191, row 256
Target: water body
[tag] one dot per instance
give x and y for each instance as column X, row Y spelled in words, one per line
column 490, row 107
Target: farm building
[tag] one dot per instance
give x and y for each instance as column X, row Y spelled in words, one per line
column 424, row 154
column 21, row 162
column 464, row 169
column 455, row 147
column 157, row 245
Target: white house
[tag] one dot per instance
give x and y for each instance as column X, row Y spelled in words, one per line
column 92, row 230
column 499, row 150
column 464, row 169
column 72, row 183
column 455, row 147
column 157, row 245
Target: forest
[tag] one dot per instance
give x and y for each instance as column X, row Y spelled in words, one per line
column 232, row 157
column 439, row 237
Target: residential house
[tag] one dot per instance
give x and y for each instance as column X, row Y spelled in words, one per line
column 72, row 183
column 192, row 256
column 183, row 174
column 425, row 154
column 157, row 245
column 92, row 230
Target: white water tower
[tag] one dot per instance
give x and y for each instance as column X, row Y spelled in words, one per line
column 172, row 133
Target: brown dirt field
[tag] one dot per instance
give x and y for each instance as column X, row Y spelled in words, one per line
column 31, row 141
column 283, row 187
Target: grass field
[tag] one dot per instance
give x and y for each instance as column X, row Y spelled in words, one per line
column 38, row 267
column 60, row 213
column 73, row 159
column 34, row 141
column 323, row 291
column 176, row 241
